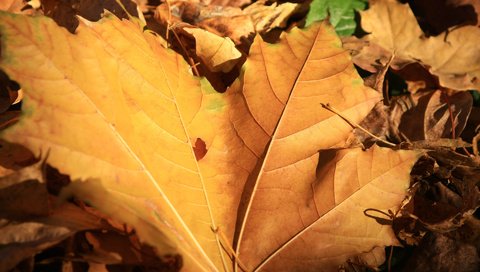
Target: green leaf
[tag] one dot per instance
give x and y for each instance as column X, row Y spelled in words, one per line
column 341, row 12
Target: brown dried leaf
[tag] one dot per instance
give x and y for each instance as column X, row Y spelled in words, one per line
column 454, row 251
column 10, row 92
column 231, row 3
column 444, row 194
column 265, row 18
column 20, row 240
column 468, row 5
column 64, row 12
column 223, row 21
column 421, row 116
column 436, row 16
column 109, row 247
column 23, row 194
column 217, row 53
column 426, row 115
column 452, row 56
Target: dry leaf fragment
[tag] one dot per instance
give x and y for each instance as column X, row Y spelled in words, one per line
column 453, row 56
column 110, row 247
column 232, row 3
column 20, row 240
column 219, row 54
column 239, row 25
column 468, row 5
column 428, row 115
column 23, row 194
column 10, row 92
column 64, row 12
column 443, row 196
column 421, row 116
column 224, row 21
column 266, row 18
column 439, row 16
column 445, row 252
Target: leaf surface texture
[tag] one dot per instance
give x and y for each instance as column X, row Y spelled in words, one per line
column 155, row 146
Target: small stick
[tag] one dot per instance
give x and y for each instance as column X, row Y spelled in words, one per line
column 445, row 96
column 169, row 19
column 228, row 247
column 452, row 120
column 190, row 60
column 379, row 80
column 355, row 125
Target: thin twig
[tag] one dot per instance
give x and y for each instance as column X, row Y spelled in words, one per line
column 445, row 96
column 452, row 119
column 355, row 125
column 229, row 248
column 190, row 59
column 380, row 79
column 169, row 19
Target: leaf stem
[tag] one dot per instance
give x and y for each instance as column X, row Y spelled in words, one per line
column 190, row 59
column 228, row 247
column 355, row 125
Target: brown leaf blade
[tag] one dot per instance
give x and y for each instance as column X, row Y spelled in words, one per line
column 292, row 127
column 452, row 56
column 353, row 181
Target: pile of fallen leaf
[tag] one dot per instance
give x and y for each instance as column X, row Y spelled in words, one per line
column 221, row 135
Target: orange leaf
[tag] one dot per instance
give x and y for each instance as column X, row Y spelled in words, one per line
column 197, row 172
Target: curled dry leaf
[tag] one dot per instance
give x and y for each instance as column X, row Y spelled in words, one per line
column 439, row 16
column 215, row 19
column 239, row 25
column 468, row 5
column 262, row 138
column 65, row 12
column 452, row 56
column 266, row 18
column 443, row 196
column 114, row 247
column 217, row 53
column 428, row 115
column 20, row 240
column 454, row 251
column 23, row 194
column 419, row 116
column 10, row 92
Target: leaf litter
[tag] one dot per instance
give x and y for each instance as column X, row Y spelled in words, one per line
column 264, row 149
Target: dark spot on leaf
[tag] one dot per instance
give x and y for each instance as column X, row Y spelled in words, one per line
column 200, row 149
